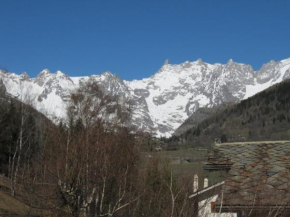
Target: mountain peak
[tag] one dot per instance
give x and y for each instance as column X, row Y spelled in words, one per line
column 272, row 62
column 44, row 71
column 200, row 61
column 24, row 76
column 230, row 61
column 186, row 64
column 107, row 74
column 41, row 77
column 59, row 73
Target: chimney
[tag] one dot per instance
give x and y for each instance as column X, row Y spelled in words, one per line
column 205, row 183
column 195, row 183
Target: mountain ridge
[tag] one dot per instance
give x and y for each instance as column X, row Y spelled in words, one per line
column 160, row 103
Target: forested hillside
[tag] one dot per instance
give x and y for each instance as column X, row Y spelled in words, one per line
column 199, row 116
column 90, row 166
column 22, row 133
column 264, row 116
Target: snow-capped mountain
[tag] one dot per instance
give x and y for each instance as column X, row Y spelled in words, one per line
column 161, row 102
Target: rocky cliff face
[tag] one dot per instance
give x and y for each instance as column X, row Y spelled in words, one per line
column 160, row 103
column 177, row 91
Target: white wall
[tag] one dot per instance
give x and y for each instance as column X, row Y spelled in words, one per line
column 205, row 209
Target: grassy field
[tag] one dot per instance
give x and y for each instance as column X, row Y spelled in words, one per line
column 187, row 162
column 23, row 203
column 11, row 206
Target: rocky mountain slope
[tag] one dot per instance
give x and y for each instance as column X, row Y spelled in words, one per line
column 264, row 116
column 160, row 103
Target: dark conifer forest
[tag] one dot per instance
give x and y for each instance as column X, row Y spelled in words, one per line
column 264, row 116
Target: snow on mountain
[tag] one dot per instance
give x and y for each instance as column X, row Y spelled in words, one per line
column 176, row 91
column 270, row 74
column 160, row 103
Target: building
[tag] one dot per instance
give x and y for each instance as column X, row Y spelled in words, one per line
column 258, row 178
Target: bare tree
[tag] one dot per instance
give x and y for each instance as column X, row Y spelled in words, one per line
column 90, row 165
column 23, row 139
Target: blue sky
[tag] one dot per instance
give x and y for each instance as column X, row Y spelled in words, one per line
column 132, row 38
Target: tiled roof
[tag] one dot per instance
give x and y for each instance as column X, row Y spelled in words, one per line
column 259, row 173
